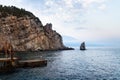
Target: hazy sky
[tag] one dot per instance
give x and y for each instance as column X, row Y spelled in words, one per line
column 93, row 21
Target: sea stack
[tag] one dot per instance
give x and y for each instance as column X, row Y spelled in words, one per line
column 82, row 46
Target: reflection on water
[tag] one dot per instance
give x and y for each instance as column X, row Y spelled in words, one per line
column 92, row 64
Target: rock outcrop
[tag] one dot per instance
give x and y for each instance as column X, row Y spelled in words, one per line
column 82, row 46
column 28, row 33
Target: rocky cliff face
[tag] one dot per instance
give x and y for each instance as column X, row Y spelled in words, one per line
column 28, row 33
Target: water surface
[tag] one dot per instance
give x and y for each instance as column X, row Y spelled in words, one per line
column 92, row 64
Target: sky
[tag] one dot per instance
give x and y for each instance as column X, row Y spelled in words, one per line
column 94, row 21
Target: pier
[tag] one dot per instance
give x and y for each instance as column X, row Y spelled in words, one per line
column 32, row 63
column 8, row 59
column 6, row 64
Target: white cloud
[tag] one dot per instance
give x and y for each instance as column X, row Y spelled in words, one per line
column 102, row 7
column 11, row 2
column 69, row 3
column 65, row 15
column 67, row 10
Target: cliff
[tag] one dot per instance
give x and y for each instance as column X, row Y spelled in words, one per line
column 26, row 32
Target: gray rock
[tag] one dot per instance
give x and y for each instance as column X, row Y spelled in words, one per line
column 82, row 46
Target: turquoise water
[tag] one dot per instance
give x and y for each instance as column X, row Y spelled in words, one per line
column 92, row 64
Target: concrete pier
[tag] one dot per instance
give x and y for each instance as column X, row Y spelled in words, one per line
column 7, row 59
column 32, row 63
column 6, row 64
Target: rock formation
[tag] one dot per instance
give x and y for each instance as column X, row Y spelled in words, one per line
column 82, row 46
column 26, row 32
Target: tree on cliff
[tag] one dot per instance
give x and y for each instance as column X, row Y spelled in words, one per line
column 12, row 10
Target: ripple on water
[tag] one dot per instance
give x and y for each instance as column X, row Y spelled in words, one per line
column 98, row 64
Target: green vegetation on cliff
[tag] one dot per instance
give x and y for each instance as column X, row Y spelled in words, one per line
column 12, row 10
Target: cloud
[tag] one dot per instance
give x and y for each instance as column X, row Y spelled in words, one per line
column 65, row 15
column 11, row 2
column 87, row 3
column 63, row 10
column 102, row 7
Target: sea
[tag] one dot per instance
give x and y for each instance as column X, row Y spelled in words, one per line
column 91, row 64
